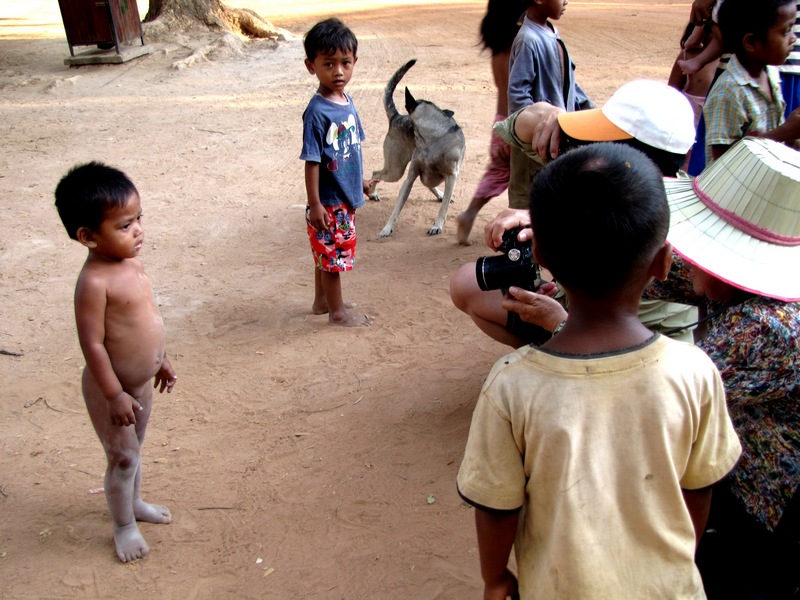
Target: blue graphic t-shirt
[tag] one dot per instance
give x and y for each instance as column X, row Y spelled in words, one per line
column 332, row 136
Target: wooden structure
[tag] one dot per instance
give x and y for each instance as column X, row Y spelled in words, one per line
column 106, row 24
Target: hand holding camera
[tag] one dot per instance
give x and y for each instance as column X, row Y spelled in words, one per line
column 515, row 267
column 509, row 218
column 538, row 308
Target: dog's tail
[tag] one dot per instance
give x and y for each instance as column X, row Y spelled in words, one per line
column 388, row 93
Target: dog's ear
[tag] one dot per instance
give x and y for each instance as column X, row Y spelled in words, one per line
column 411, row 102
column 448, row 112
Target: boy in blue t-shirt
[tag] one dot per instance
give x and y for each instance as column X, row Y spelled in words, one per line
column 540, row 70
column 332, row 135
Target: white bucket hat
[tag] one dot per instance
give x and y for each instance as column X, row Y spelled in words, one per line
column 740, row 218
column 650, row 111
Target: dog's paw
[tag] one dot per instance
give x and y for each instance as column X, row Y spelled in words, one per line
column 384, row 233
column 435, row 230
column 374, row 197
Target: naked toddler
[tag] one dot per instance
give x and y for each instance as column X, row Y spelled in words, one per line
column 121, row 334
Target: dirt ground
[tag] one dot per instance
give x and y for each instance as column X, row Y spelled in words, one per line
column 299, row 460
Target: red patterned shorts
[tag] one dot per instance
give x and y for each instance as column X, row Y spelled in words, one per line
column 334, row 249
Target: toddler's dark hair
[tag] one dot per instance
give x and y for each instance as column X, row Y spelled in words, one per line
column 328, row 36
column 87, row 191
column 598, row 213
column 737, row 18
column 501, row 23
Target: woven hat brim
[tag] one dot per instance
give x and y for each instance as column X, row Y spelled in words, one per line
column 705, row 240
column 591, row 126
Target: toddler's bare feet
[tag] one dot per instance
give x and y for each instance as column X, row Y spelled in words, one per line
column 321, row 307
column 349, row 318
column 465, row 221
column 151, row 513
column 129, row 543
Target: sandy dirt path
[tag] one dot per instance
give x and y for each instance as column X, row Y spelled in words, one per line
column 299, row 460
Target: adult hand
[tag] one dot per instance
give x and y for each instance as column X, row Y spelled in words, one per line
column 538, row 124
column 505, row 220
column 535, row 308
column 701, row 11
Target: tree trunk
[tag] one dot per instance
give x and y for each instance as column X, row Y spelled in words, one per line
column 182, row 15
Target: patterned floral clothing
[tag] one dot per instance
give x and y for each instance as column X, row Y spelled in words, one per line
column 756, row 347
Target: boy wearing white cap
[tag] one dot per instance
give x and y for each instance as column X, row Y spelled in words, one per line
column 736, row 228
column 539, row 70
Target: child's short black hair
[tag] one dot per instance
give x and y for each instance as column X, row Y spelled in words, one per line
column 87, row 191
column 598, row 214
column 328, row 36
column 501, row 23
column 737, row 18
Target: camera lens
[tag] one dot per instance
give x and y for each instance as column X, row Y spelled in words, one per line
column 480, row 273
column 497, row 272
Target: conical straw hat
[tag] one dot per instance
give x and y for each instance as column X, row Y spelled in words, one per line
column 740, row 218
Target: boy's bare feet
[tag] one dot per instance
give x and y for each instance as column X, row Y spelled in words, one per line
column 151, row 513
column 465, row 221
column 350, row 318
column 320, row 307
column 129, row 543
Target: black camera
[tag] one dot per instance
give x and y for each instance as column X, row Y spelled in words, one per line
column 514, row 267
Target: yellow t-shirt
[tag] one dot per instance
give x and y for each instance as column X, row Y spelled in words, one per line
column 595, row 450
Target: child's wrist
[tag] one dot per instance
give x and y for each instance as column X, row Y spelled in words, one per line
column 111, row 398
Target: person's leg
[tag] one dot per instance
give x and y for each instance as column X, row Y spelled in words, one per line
column 493, row 183
column 519, row 185
column 738, row 558
column 320, row 305
column 485, row 308
column 336, row 253
column 716, row 557
column 323, row 250
column 121, row 445
column 144, row 511
column 466, row 219
column 338, row 312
